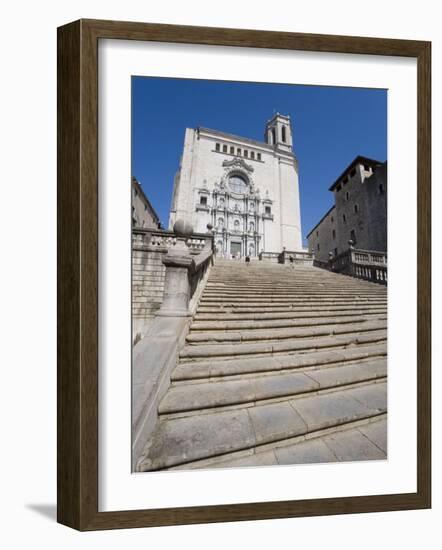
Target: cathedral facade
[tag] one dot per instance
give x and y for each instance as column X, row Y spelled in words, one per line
column 247, row 190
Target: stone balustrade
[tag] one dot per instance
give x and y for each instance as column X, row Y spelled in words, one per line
column 149, row 247
column 363, row 264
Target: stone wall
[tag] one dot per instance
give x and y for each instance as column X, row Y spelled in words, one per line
column 148, row 274
column 360, row 214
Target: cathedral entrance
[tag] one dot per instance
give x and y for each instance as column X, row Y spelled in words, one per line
column 235, row 250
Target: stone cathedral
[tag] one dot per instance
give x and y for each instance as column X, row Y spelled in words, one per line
column 247, row 190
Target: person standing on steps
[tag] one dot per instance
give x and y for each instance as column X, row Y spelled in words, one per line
column 248, row 260
column 292, row 263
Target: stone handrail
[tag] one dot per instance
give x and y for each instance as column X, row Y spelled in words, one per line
column 369, row 265
column 156, row 355
column 156, row 239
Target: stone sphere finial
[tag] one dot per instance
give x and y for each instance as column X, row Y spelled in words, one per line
column 182, row 228
column 209, row 226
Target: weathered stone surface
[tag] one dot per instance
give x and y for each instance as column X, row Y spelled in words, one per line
column 276, row 421
column 186, row 439
column 377, row 433
column 352, row 445
column 305, row 452
column 332, row 408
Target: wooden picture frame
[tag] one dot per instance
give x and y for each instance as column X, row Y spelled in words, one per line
column 78, row 274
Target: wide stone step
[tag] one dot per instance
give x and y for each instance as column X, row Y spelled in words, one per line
column 221, row 393
column 360, row 440
column 199, row 352
column 289, row 313
column 298, row 321
column 181, row 440
column 277, row 363
column 284, row 297
column 289, row 306
column 298, row 330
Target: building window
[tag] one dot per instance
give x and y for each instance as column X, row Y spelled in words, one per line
column 334, row 234
column 237, row 184
column 344, row 219
column 203, row 200
column 259, row 156
column 353, row 172
column 217, row 147
column 268, row 210
column 347, row 196
column 273, row 136
column 283, row 134
column 232, row 150
column 317, row 246
column 252, row 155
column 246, row 153
column 353, row 236
column 317, row 233
column 381, row 189
column 332, row 219
column 356, row 208
column 238, row 152
column 336, row 251
column 224, row 148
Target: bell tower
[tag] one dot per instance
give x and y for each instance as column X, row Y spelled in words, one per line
column 279, row 132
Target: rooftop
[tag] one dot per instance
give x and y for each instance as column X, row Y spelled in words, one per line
column 358, row 160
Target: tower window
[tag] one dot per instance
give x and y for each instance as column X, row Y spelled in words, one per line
column 347, row 196
column 284, row 137
column 353, row 236
column 332, row 219
column 317, row 233
column 317, row 246
column 334, row 234
column 259, row 156
column 246, row 153
column 217, row 147
column 224, row 148
column 344, row 219
column 238, row 152
column 232, row 150
column 268, row 210
column 252, row 155
column 356, row 208
column 273, row 136
column 203, row 200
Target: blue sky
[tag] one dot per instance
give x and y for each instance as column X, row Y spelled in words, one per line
column 331, row 126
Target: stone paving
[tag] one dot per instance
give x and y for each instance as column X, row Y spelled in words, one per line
column 281, row 365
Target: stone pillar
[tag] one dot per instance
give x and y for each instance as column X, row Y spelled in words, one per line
column 178, row 262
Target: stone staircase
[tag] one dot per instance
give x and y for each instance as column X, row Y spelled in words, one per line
column 282, row 365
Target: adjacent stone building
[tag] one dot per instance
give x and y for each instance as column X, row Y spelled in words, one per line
column 246, row 189
column 143, row 213
column 359, row 213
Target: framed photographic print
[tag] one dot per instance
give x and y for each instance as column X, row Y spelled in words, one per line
column 243, row 275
